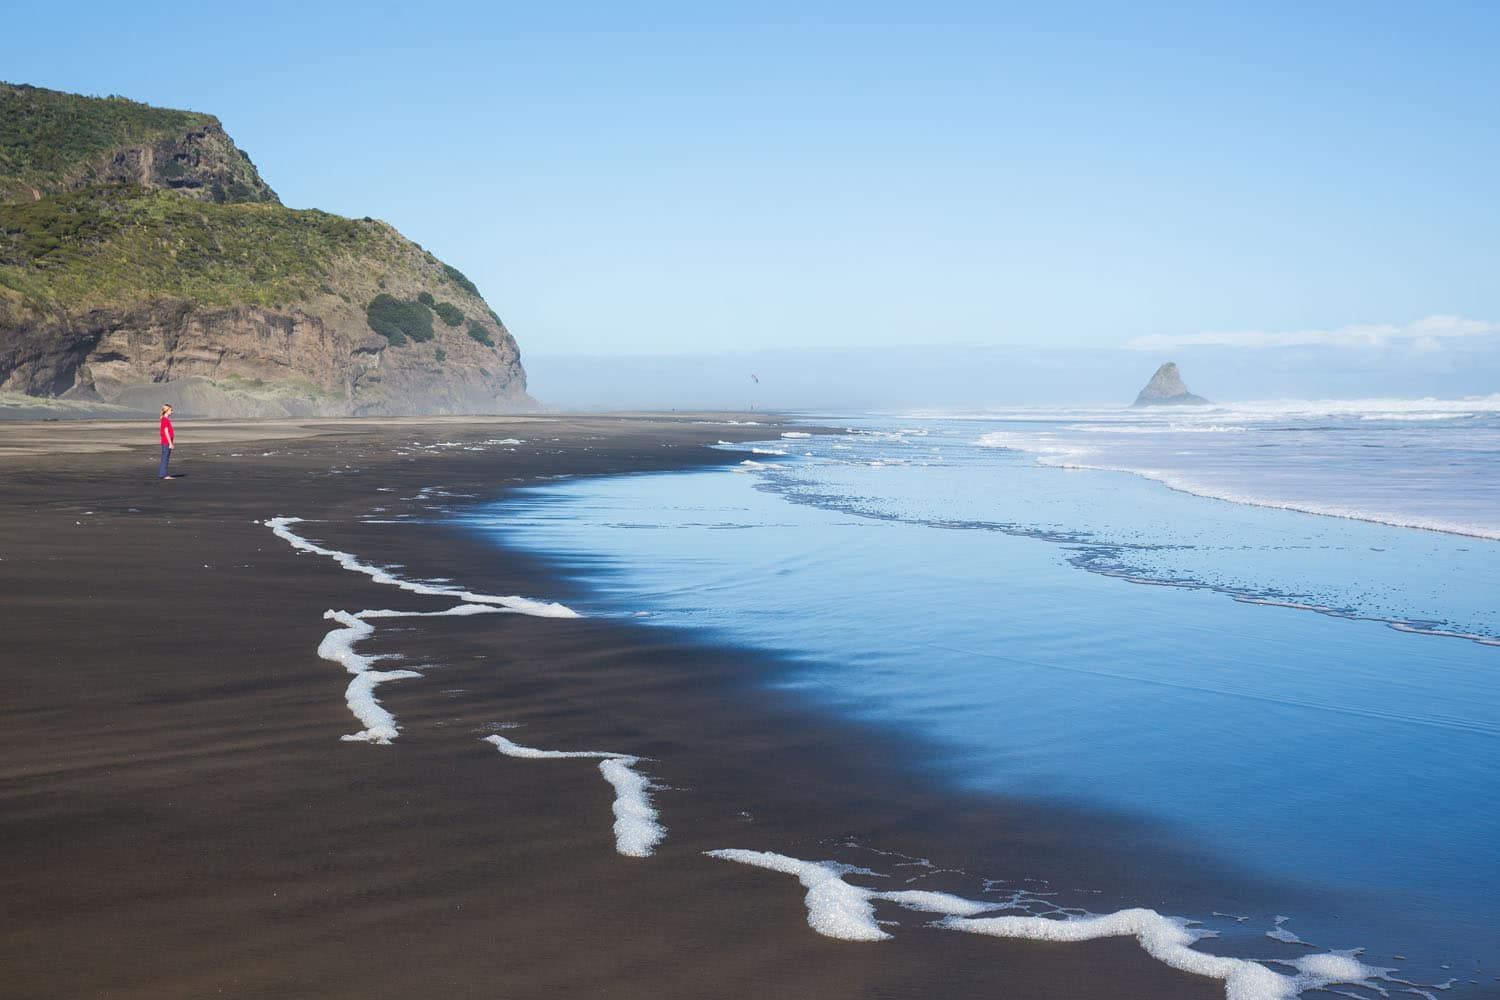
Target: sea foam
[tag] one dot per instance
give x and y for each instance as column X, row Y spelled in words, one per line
column 1184, row 483
column 1169, row 940
column 338, row 647
column 354, row 627
column 637, row 828
column 281, row 527
column 1049, row 449
column 838, row 909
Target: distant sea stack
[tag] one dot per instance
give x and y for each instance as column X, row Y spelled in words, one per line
column 1166, row 388
column 143, row 260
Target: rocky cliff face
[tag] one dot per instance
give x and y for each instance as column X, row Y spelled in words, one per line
column 250, row 361
column 1166, row 388
column 52, row 142
column 201, row 163
column 152, row 264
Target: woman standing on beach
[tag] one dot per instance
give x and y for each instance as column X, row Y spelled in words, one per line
column 166, row 440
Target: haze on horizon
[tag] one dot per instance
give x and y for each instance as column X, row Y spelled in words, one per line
column 961, row 204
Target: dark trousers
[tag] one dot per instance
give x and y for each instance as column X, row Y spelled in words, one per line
column 166, row 455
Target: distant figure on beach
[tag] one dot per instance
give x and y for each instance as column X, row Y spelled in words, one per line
column 166, row 440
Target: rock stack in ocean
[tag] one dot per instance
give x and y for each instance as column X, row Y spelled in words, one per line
column 1166, row 388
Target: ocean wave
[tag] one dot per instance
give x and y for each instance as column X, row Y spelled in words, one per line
column 1139, row 428
column 1183, row 483
column 1251, row 410
column 751, row 465
column 1053, row 449
column 1103, row 555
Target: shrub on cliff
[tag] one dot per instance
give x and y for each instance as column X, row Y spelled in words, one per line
column 449, row 313
column 45, row 134
column 480, row 334
column 396, row 320
column 457, row 277
column 118, row 245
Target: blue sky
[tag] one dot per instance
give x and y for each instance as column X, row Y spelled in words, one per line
column 680, row 178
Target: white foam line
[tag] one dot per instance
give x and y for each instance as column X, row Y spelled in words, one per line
column 281, row 527
column 637, row 829
column 1169, row 940
column 513, row 749
column 837, row 909
column 1285, row 934
column 1060, row 458
column 380, row 725
column 338, row 647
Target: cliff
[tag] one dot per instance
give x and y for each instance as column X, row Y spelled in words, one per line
column 51, row 142
column 143, row 260
column 1166, row 388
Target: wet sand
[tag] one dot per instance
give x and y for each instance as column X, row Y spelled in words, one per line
column 180, row 817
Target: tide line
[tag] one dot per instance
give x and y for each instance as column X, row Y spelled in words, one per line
column 380, row 725
column 637, row 828
column 338, row 647
column 281, row 527
column 839, row 909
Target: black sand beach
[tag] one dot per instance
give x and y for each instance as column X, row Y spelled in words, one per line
column 181, row 819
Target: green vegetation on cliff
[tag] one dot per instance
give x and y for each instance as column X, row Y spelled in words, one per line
column 45, row 135
column 480, row 334
column 105, row 202
column 51, row 142
column 142, row 257
column 398, row 321
column 119, row 245
column 458, row 278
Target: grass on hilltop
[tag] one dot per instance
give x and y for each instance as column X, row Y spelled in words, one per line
column 44, row 134
column 122, row 244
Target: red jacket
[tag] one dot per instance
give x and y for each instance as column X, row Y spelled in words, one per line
column 166, row 430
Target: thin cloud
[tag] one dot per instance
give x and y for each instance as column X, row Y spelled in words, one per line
column 1425, row 333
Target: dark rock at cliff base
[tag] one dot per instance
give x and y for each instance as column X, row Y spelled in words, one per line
column 1166, row 388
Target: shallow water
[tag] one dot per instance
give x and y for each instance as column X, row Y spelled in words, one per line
column 991, row 605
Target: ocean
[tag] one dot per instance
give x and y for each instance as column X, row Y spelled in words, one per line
column 1267, row 633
